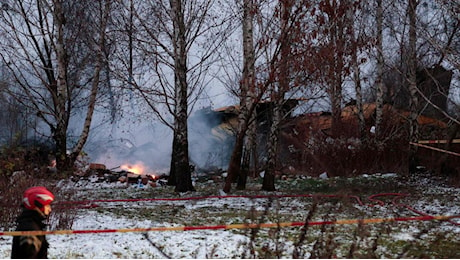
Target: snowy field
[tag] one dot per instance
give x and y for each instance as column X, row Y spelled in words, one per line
column 430, row 197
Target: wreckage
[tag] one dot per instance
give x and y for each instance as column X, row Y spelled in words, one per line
column 299, row 131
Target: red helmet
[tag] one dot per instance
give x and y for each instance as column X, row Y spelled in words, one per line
column 37, row 197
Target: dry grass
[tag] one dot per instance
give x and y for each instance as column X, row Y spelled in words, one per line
column 428, row 193
column 382, row 240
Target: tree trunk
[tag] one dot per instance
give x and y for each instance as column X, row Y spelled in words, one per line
column 172, row 168
column 336, row 100
column 180, row 149
column 249, row 81
column 412, row 84
column 359, row 98
column 60, row 139
column 336, row 37
column 94, row 85
column 253, row 162
column 182, row 165
column 247, row 97
column 62, row 97
column 278, row 95
column 243, row 176
column 269, row 177
column 234, row 165
column 379, row 77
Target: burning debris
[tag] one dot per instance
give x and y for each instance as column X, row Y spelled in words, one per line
column 138, row 174
column 130, row 174
column 137, row 168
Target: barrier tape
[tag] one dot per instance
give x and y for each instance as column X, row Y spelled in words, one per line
column 454, row 141
column 231, row 226
column 372, row 198
column 434, row 148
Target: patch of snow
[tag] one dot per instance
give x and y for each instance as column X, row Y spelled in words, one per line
column 262, row 174
column 205, row 243
column 175, row 244
column 403, row 236
column 372, row 130
column 323, row 176
column 388, row 175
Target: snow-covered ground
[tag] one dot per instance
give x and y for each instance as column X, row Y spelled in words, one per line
column 174, row 244
column 196, row 243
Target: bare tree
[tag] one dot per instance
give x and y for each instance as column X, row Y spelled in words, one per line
column 251, row 89
column 334, row 35
column 175, row 42
column 56, row 59
column 245, row 141
column 247, row 97
column 441, row 48
column 180, row 158
column 441, row 38
column 379, row 69
column 16, row 121
column 278, row 92
column 282, row 26
column 412, row 82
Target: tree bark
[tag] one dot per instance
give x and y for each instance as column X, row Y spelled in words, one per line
column 359, row 98
column 172, row 169
column 62, row 97
column 412, row 85
column 250, row 154
column 247, row 97
column 57, row 65
column 278, row 95
column 94, row 85
column 338, row 48
column 379, row 76
column 234, row 166
column 268, row 183
column 180, row 150
column 243, row 176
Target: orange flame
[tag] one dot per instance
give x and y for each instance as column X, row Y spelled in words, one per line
column 137, row 168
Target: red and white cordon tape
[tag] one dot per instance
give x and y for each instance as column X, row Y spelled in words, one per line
column 372, row 198
column 232, row 226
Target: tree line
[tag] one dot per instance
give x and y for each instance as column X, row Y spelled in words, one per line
column 63, row 59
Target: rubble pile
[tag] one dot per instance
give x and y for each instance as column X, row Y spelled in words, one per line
column 98, row 173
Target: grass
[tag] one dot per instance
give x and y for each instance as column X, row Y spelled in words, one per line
column 427, row 239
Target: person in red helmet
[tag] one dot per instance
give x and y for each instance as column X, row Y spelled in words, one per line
column 36, row 204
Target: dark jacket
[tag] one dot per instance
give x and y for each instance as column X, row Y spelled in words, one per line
column 30, row 246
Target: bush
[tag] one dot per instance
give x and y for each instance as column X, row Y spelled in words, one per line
column 21, row 168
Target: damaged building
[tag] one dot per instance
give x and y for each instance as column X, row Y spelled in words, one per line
column 301, row 134
column 298, row 134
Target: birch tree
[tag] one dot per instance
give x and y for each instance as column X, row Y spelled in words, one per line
column 248, row 96
column 412, row 82
column 379, row 69
column 175, row 42
column 252, row 87
column 278, row 92
column 56, row 61
column 334, row 36
column 180, row 157
column 247, row 100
